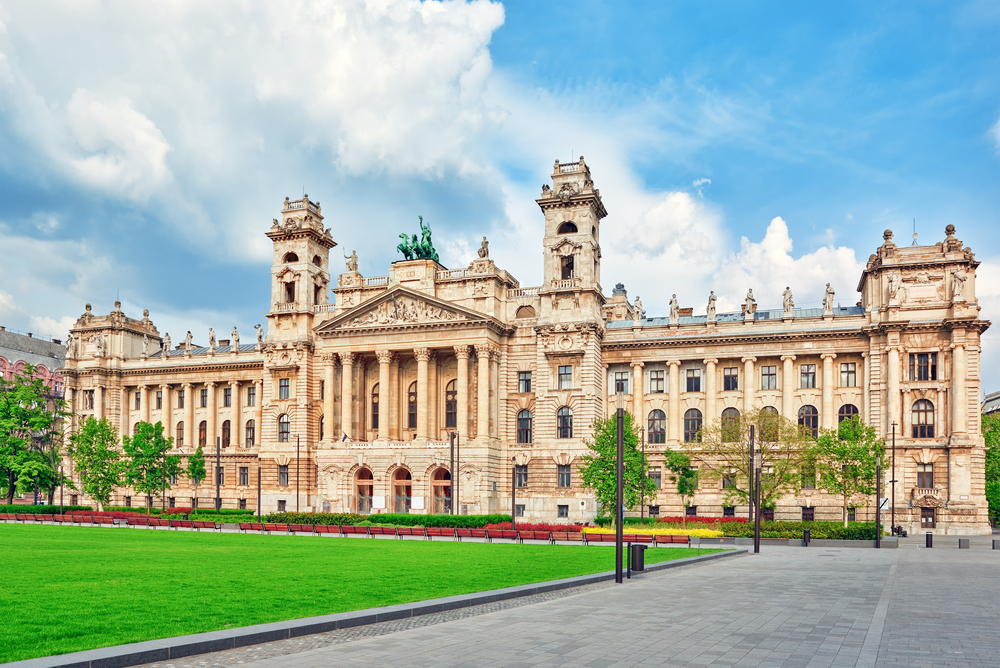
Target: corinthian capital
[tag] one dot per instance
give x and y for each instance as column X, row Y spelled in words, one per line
column 422, row 354
column 347, row 359
column 462, row 352
column 384, row 356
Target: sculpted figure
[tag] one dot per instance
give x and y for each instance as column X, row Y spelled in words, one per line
column 352, row 261
column 260, row 336
column 70, row 348
column 166, row 344
column 638, row 307
column 675, row 308
column 99, row 343
column 750, row 303
column 484, row 249
column 828, row 298
column 893, row 285
column 211, row 339
column 958, row 285
column 145, row 346
column 187, row 343
column 787, row 302
column 236, row 339
column 711, row 305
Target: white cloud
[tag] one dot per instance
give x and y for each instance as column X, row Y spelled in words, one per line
column 701, row 182
column 678, row 227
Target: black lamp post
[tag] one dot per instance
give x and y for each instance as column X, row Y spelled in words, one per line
column 258, row 492
column 642, row 489
column 756, row 495
column 61, row 485
column 297, row 445
column 619, row 480
column 218, row 465
column 750, row 483
column 878, row 502
column 513, row 493
column 893, row 481
column 451, row 447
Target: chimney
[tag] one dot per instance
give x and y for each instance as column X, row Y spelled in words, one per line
column 30, row 335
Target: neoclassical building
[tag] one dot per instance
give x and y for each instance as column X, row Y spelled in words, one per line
column 348, row 402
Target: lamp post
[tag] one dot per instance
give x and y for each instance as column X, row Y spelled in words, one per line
column 893, row 481
column 756, row 517
column 750, row 482
column 878, row 502
column 513, row 493
column 218, row 465
column 61, row 484
column 297, row 445
column 451, row 447
column 619, row 501
column 258, row 492
column 642, row 488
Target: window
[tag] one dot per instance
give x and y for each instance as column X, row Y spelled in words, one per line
column 450, row 406
column 88, row 399
column 729, row 511
column 524, row 426
column 808, row 478
column 767, row 514
column 251, row 434
column 519, row 510
column 202, row 433
column 138, row 400
column 411, row 406
column 283, row 475
column 769, row 378
column 852, row 514
column 179, row 434
column 923, row 419
column 654, row 511
column 403, row 486
column 322, row 390
column 694, row 380
column 807, row 376
column 656, row 384
column 730, row 379
column 925, row 476
column 252, row 395
column 656, row 475
column 520, row 475
column 524, row 381
column 846, row 412
column 730, row 425
column 128, row 502
column 923, row 366
column 284, row 388
column 204, row 398
column 180, row 399
column 770, row 424
column 564, row 423
column 621, row 382
column 220, row 475
column 565, row 476
column 225, row 433
column 848, row 374
column 563, row 510
column 927, row 518
column 729, row 480
column 243, row 504
column 567, row 268
column 375, row 391
column 808, row 514
column 281, row 505
column 284, row 428
column 691, row 511
column 692, row 426
column 159, row 400
column 809, row 420
column 525, row 312
column 290, row 257
column 565, row 378
column 244, row 475
column 172, row 501
column 657, row 427
column 227, row 397
column 321, row 426
column 365, row 486
column 194, row 503
column 566, row 228
column 289, row 292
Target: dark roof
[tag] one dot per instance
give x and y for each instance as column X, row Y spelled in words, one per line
column 202, row 350
column 20, row 348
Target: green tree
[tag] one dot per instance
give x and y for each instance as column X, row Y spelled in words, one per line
column 97, row 459
column 599, row 469
column 196, row 467
column 991, row 434
column 684, row 476
column 149, row 467
column 845, row 459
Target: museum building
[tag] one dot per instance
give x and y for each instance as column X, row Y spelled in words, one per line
column 348, row 403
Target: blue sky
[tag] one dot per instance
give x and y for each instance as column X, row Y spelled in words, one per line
column 145, row 148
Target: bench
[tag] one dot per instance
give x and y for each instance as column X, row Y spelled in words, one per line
column 463, row 533
column 181, row 524
column 328, row 529
column 382, row 531
column 669, row 539
column 444, row 532
column 301, row 528
column 251, row 526
column 348, row 529
column 62, row 518
column 134, row 521
column 505, row 534
column 104, row 520
column 156, row 522
column 198, row 525
column 275, row 527
column 598, row 538
column 574, row 536
column 409, row 531
column 24, row 517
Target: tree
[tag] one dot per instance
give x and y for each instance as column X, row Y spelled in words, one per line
column 98, row 462
column 196, row 467
column 29, row 427
column 723, row 453
column 684, row 476
column 149, row 467
column 600, row 469
column 991, row 434
column 845, row 459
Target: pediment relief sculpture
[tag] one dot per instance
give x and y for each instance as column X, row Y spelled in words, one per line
column 404, row 310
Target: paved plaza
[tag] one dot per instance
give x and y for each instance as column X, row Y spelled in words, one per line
column 785, row 607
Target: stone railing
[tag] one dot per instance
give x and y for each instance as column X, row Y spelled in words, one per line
column 523, row 292
column 437, row 444
column 375, row 281
column 286, row 307
column 452, row 273
column 295, row 205
column 566, row 283
column 388, row 445
column 920, row 492
column 568, row 167
column 361, row 445
column 324, row 308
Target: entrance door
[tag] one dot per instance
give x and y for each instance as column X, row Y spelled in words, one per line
column 365, row 487
column 442, row 492
column 403, row 490
column 927, row 518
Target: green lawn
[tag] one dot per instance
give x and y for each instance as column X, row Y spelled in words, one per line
column 67, row 589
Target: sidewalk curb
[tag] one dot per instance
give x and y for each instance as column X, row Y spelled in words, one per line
column 165, row 649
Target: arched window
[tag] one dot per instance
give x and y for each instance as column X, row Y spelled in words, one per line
column 525, row 312
column 290, row 257
column 566, row 228
column 365, row 485
column 657, row 427
column 250, row 435
column 692, row 426
column 225, row 434
column 450, row 406
column 321, row 425
column 730, row 425
column 411, row 406
column 317, row 261
column 135, row 429
column 770, row 424
column 524, row 426
column 179, row 437
column 564, row 423
column 401, row 480
column 203, row 433
column 809, row 420
column 923, row 419
column 284, row 428
column 441, row 484
column 375, row 407
column 846, row 412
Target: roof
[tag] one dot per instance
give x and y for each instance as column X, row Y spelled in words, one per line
column 992, row 403
column 201, row 350
column 776, row 314
column 20, row 348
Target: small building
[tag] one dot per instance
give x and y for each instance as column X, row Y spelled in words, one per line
column 48, row 355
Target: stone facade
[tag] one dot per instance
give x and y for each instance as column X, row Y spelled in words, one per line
column 352, row 402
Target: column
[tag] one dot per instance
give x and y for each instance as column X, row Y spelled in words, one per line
column 749, row 384
column 483, row 403
column 213, row 415
column 328, row 397
column 234, row 414
column 144, row 401
column 959, row 395
column 99, row 402
column 384, row 359
column 347, row 393
column 123, row 421
column 892, row 390
column 828, row 417
column 603, row 391
column 166, row 415
column 788, row 388
column 638, row 398
column 865, row 384
column 674, row 421
column 258, row 414
column 390, row 402
column 189, row 416
column 711, row 390
column 462, row 355
column 423, row 355
column 433, row 391
column 495, row 385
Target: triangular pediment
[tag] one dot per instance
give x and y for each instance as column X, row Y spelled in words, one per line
column 400, row 306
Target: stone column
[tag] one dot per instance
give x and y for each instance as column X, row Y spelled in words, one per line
column 863, row 375
column 432, row 397
column 892, row 389
column 483, row 400
column 828, row 416
column 328, row 399
column 711, row 389
column 234, row 414
column 495, row 388
column 189, row 416
column 258, row 414
column 99, row 402
column 347, row 393
column 603, row 390
column 749, row 384
column 166, row 415
column 959, row 395
column 123, row 411
column 144, row 400
column 384, row 360
column 423, row 355
column 390, row 402
column 674, row 422
column 213, row 416
column 788, row 387
column 638, row 397
column 462, row 356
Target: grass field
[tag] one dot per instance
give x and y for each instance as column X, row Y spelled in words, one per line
column 67, row 589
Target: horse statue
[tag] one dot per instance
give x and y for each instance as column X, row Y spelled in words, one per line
column 405, row 247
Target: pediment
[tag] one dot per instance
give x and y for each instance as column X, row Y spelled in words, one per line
column 400, row 306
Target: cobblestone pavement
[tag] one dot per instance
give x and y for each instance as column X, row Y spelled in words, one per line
column 785, row 607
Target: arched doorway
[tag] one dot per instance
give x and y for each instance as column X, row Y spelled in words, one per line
column 441, row 483
column 365, row 487
column 401, row 483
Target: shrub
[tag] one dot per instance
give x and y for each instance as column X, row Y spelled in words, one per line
column 391, row 519
column 536, row 526
column 702, row 532
column 820, row 530
column 672, row 520
column 314, row 518
column 38, row 510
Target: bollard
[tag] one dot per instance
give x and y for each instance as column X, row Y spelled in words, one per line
column 930, row 539
column 963, row 543
column 806, row 537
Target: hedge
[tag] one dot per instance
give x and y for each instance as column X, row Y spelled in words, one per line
column 38, row 510
column 820, row 530
column 678, row 520
column 392, row 519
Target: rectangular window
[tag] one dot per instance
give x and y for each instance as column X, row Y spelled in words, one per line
column 621, row 382
column 322, row 390
column 808, row 478
column 565, row 476
column 138, row 400
column 521, row 475
column 849, row 374
column 923, row 366
column 281, row 505
column 194, row 503
column 767, row 514
column 729, row 481
column 159, row 400
column 72, row 499
column 925, row 476
column 172, row 501
column 180, row 398
column 691, row 511
column 654, row 511
column 252, row 395
column 173, row 478
column 284, row 388
column 128, row 502
column 807, row 376
column 563, row 510
column 524, row 381
column 88, row 400
column 289, row 292
column 283, row 475
column 220, row 475
column 204, row 398
column 519, row 510
column 730, row 379
column 243, row 504
column 808, row 514
column 656, row 382
column 769, row 378
column 851, row 514
column 729, row 511
column 694, row 380
column 227, row 397
column 565, row 378
column 251, row 435
column 244, row 475
column 657, row 476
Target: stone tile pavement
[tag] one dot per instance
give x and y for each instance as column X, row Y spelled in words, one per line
column 785, row 607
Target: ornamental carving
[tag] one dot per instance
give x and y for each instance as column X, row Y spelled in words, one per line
column 404, row 310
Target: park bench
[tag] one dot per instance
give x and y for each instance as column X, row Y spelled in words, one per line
column 156, row 522
column 43, row 518
column 62, row 518
column 444, row 532
column 665, row 539
column 7, row 517
column 589, row 538
column 409, row 531
column 574, row 536
column 181, row 524
column 275, row 527
column 637, row 538
column 103, row 520
column 328, row 529
column 463, row 533
column 134, row 521
column 301, row 528
column 198, row 525
column 382, row 531
column 505, row 534
column 24, row 517
column 251, row 526
column 348, row 529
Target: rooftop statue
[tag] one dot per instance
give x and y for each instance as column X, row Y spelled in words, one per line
column 420, row 250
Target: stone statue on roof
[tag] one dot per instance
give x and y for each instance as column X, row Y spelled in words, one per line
column 211, row 339
column 145, row 345
column 187, row 343
column 828, row 298
column 958, row 284
column 70, row 346
column 638, row 308
column 236, row 339
column 675, row 308
column 750, row 305
column 711, row 305
column 484, row 249
column 352, row 261
column 787, row 303
column 166, row 345
column 99, row 344
column 260, row 337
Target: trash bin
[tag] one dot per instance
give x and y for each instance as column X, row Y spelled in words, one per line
column 638, row 557
column 806, row 537
column 930, row 539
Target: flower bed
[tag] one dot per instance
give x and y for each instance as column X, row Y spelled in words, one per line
column 818, row 530
column 389, row 519
column 657, row 531
column 536, row 526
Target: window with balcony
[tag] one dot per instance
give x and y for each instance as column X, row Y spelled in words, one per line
column 289, row 293
column 925, row 476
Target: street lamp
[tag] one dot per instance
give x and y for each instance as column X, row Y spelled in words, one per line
column 756, row 518
column 513, row 493
column 619, row 510
column 893, row 481
column 642, row 488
